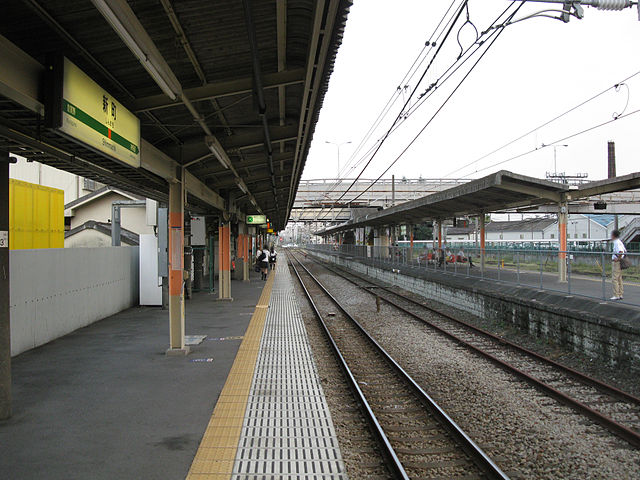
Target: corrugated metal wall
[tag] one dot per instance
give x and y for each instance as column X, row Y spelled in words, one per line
column 36, row 216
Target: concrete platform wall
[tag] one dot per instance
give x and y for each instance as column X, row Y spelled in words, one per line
column 55, row 291
column 609, row 333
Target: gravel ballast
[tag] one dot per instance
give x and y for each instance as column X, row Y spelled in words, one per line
column 360, row 451
column 529, row 434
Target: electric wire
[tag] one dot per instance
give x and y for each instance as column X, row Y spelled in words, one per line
column 568, row 137
column 490, row 42
column 548, row 122
column 424, row 73
column 418, row 61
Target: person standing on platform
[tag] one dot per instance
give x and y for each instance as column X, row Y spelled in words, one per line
column 263, row 260
column 619, row 252
column 272, row 257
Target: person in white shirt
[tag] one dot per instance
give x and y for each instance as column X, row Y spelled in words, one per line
column 263, row 260
column 619, row 251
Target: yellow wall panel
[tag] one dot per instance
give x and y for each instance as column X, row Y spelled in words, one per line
column 36, row 216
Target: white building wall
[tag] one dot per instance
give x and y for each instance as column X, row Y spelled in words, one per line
column 55, row 291
column 131, row 218
column 515, row 236
column 35, row 172
column 88, row 238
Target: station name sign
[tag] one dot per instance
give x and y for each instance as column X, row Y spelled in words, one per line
column 256, row 219
column 86, row 113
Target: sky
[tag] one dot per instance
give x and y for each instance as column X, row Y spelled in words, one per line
column 537, row 69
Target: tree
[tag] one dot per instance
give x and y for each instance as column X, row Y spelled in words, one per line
column 423, row 231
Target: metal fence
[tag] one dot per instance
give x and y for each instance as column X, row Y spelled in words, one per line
column 588, row 274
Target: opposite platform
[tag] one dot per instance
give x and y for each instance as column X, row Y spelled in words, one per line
column 271, row 420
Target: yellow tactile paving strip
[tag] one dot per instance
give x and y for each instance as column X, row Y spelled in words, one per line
column 217, row 451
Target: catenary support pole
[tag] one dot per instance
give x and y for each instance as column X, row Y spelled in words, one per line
column 176, row 270
column 5, row 331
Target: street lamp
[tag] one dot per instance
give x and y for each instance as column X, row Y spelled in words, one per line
column 555, row 156
column 337, row 145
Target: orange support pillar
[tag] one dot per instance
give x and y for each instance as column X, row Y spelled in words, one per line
column 224, row 248
column 176, row 268
column 563, row 217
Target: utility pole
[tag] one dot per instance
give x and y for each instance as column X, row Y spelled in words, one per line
column 393, row 190
column 337, row 145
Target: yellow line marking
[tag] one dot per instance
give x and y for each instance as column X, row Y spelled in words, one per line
column 219, row 445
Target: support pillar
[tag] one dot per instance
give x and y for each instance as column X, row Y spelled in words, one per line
column 115, row 225
column 243, row 251
column 240, row 258
column 439, row 234
column 563, row 214
column 482, row 241
column 247, row 258
column 224, row 248
column 410, row 228
column 5, row 331
column 176, row 270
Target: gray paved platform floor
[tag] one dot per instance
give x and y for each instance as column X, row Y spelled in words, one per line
column 104, row 402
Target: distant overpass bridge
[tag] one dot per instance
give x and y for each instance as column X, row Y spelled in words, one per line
column 318, row 201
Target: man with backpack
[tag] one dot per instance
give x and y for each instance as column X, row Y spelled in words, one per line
column 263, row 260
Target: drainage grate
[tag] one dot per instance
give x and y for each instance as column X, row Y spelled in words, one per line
column 288, row 432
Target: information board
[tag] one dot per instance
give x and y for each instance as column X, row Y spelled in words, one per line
column 256, row 219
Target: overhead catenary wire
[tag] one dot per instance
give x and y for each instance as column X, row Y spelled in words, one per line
column 417, row 62
column 398, row 117
column 546, row 123
column 558, row 140
column 492, row 39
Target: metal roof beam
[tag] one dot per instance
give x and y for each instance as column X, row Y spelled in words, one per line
column 21, row 82
column 126, row 24
column 281, row 33
column 220, row 89
column 323, row 25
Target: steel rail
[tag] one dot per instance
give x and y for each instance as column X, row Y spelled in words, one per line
column 480, row 458
column 388, row 451
column 618, row 429
column 604, row 387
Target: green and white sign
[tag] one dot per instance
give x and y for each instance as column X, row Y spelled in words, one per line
column 256, row 219
column 94, row 117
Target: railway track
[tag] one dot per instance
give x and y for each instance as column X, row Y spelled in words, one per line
column 419, row 439
column 614, row 409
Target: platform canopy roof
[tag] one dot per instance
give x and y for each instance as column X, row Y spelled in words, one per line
column 230, row 91
column 497, row 192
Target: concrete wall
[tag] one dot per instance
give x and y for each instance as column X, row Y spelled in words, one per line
column 56, row 291
column 609, row 333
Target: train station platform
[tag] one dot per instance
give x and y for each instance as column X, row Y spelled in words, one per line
column 605, row 330
column 106, row 402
